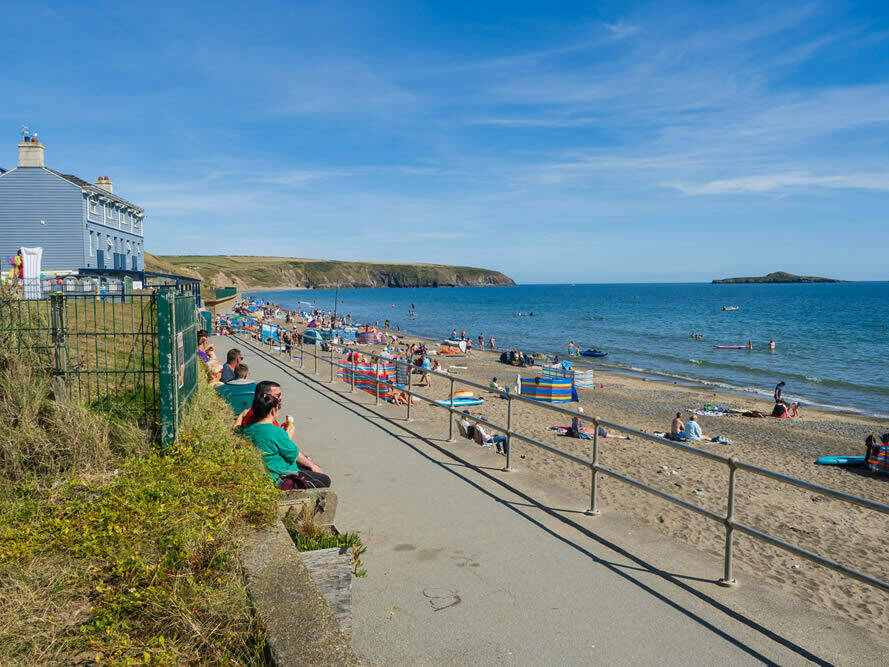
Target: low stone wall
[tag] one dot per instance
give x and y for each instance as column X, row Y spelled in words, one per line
column 301, row 627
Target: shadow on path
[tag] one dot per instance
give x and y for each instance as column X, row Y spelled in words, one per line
column 347, row 403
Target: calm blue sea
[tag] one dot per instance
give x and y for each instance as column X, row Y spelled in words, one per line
column 832, row 339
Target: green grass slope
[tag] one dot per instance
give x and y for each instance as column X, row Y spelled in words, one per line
column 252, row 272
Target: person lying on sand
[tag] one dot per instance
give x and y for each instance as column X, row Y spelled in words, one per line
column 577, row 430
column 397, row 397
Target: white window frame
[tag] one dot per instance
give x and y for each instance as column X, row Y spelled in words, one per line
column 93, row 206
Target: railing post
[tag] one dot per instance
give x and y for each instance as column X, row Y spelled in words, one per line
column 410, row 399
column 352, row 385
column 506, row 468
column 330, row 347
column 315, row 354
column 594, row 467
column 728, row 579
column 451, row 415
column 377, row 382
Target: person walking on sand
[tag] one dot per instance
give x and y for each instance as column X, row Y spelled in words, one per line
column 778, row 389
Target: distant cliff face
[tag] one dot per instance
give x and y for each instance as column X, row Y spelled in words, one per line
column 253, row 272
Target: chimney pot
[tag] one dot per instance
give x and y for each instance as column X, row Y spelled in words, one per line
column 104, row 183
column 31, row 153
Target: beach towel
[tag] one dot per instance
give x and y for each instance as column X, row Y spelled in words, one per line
column 31, row 271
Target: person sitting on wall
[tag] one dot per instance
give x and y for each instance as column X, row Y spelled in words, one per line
column 214, row 372
column 232, row 359
column 265, row 387
column 241, row 371
column 206, row 350
column 286, row 465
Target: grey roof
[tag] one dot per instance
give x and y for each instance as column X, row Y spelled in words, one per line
column 85, row 185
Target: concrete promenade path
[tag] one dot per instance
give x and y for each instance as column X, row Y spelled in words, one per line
column 471, row 565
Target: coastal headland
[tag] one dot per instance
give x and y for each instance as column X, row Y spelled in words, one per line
column 247, row 273
column 845, row 533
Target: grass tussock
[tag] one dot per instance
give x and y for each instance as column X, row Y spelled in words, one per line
column 138, row 563
column 43, row 438
column 309, row 535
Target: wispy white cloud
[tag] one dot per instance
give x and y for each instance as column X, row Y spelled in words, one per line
column 773, row 182
column 621, row 29
column 292, row 178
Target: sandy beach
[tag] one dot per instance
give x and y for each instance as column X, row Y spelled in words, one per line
column 845, row 533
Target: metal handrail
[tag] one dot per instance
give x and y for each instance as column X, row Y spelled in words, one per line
column 596, row 468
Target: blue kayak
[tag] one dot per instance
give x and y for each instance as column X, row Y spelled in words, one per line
column 840, row 461
column 594, row 353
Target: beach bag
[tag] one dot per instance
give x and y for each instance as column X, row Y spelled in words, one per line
column 299, row 481
column 877, row 458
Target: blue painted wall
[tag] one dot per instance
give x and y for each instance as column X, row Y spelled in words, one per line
column 29, row 195
column 71, row 232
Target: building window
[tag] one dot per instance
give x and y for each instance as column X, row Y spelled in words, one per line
column 94, row 209
column 109, row 211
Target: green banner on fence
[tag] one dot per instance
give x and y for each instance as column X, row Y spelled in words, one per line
column 177, row 326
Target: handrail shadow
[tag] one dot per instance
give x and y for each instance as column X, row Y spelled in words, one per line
column 678, row 580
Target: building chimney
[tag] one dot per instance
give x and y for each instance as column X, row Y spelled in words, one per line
column 104, row 183
column 30, row 153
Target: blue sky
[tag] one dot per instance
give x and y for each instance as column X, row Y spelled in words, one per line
column 557, row 142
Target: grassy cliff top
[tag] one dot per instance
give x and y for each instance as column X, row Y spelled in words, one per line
column 260, row 271
column 779, row 277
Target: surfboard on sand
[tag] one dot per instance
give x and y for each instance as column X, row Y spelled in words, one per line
column 840, row 461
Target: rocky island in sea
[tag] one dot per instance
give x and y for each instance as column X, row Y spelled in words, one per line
column 779, row 277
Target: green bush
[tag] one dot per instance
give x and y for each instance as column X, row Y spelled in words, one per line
column 138, row 562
